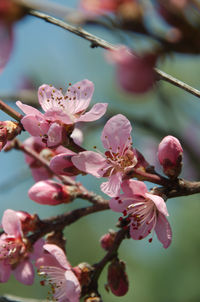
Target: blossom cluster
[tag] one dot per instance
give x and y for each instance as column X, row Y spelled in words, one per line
column 142, row 211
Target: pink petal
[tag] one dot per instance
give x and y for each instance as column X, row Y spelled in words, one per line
column 61, row 164
column 6, row 38
column 82, row 92
column 163, row 231
column 24, row 273
column 112, row 186
column 117, row 204
column 73, row 288
column 142, row 231
column 116, row 133
column 59, row 255
column 40, row 174
column 37, row 249
column 45, row 93
column 159, row 202
column 90, row 162
column 11, row 223
column 35, row 125
column 77, row 136
column 55, row 135
column 28, row 109
column 134, row 187
column 47, row 260
column 97, row 111
column 5, row 271
column 59, row 115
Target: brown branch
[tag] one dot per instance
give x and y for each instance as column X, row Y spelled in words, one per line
column 10, row 111
column 96, row 41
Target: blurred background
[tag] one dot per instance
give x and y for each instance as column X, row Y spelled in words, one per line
column 44, row 53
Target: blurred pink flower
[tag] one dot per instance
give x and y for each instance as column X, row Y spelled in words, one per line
column 170, row 155
column 58, row 272
column 134, row 73
column 14, row 254
column 62, row 112
column 119, row 158
column 102, row 6
column 147, row 212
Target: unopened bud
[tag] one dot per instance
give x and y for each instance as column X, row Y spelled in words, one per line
column 51, row 193
column 117, row 278
column 107, row 240
column 170, row 156
column 8, row 131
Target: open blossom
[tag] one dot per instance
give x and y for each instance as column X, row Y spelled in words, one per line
column 15, row 256
column 57, row 271
column 62, row 112
column 147, row 212
column 170, row 155
column 118, row 159
column 134, row 73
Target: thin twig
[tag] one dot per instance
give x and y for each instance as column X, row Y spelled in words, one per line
column 96, row 41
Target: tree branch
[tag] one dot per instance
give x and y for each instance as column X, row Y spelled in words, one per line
column 96, row 41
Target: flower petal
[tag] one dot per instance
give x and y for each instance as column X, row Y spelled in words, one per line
column 28, row 109
column 159, row 202
column 5, row 271
column 163, row 230
column 138, row 233
column 82, row 92
column 48, row 97
column 36, row 126
column 112, row 186
column 11, row 223
column 117, row 204
column 62, row 164
column 90, row 162
column 134, row 187
column 55, row 136
column 37, row 249
column 116, row 133
column 73, row 288
column 97, row 111
column 59, row 255
column 24, row 273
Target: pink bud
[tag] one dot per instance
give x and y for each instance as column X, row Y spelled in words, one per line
column 107, row 240
column 8, row 131
column 50, row 193
column 117, row 278
column 170, row 155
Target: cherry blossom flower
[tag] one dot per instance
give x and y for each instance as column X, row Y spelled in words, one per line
column 147, row 212
column 170, row 155
column 15, row 255
column 58, row 272
column 134, row 73
column 62, row 112
column 118, row 159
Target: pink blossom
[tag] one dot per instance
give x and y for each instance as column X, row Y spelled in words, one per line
column 15, row 255
column 6, row 40
column 50, row 193
column 147, row 212
column 170, row 155
column 107, row 240
column 118, row 160
column 62, row 112
column 134, row 73
column 58, row 272
column 102, row 6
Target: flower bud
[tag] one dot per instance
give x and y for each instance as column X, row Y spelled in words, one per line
column 117, row 278
column 8, row 131
column 28, row 221
column 107, row 240
column 170, row 156
column 50, row 193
